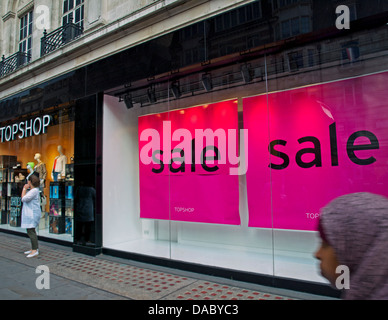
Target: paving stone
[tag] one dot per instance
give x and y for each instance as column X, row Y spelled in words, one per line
column 129, row 281
column 204, row 290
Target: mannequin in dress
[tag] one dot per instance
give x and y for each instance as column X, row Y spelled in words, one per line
column 40, row 168
column 59, row 166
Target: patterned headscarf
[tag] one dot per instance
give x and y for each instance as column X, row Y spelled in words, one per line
column 356, row 226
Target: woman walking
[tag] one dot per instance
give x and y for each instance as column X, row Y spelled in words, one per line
column 31, row 213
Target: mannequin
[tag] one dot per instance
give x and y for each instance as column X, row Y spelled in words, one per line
column 59, row 166
column 41, row 169
column 31, row 171
column 30, row 168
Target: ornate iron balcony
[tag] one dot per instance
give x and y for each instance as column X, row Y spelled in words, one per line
column 12, row 63
column 59, row 37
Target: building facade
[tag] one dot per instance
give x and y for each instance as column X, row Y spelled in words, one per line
column 204, row 135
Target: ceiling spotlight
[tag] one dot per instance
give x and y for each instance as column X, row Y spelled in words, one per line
column 176, row 90
column 128, row 102
column 207, row 82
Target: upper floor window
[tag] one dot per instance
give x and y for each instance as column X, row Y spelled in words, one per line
column 295, row 26
column 25, row 38
column 239, row 16
column 73, row 10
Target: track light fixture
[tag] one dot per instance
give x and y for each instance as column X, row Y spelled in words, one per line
column 128, row 101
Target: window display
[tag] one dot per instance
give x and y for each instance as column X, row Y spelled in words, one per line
column 40, row 168
column 196, row 184
column 315, row 149
column 61, row 207
column 5, row 163
column 49, row 141
column 59, row 166
column 218, row 150
column 15, row 187
column 305, row 146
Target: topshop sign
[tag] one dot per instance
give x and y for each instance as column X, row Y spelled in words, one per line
column 25, row 129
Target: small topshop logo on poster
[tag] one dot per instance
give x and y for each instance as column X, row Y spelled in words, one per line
column 184, row 210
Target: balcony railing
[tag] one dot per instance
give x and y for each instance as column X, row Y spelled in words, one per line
column 59, row 37
column 12, row 63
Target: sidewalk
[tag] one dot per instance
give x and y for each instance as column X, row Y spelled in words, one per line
column 75, row 276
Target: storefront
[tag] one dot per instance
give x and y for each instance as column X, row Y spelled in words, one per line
column 44, row 138
column 244, row 196
column 209, row 151
column 40, row 144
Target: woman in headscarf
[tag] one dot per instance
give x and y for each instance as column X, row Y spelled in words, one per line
column 354, row 233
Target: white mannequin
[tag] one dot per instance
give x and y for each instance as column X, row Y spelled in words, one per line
column 59, row 168
column 30, row 168
column 37, row 158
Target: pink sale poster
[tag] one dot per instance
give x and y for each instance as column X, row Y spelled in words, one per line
column 185, row 163
column 312, row 144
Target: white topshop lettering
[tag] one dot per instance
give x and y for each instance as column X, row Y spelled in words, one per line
column 25, row 129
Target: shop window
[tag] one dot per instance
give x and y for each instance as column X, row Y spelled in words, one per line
column 42, row 145
column 25, row 38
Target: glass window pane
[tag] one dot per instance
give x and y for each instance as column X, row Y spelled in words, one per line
column 295, row 26
column 285, row 29
column 77, row 15
column 66, row 6
column 305, row 24
column 47, row 154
